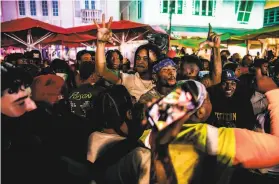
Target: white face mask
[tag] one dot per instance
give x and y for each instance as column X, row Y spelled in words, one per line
column 63, row 75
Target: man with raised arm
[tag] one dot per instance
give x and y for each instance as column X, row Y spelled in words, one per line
column 138, row 83
column 179, row 151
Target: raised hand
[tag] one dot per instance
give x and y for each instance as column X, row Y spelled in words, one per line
column 213, row 40
column 166, row 135
column 104, row 34
column 264, row 83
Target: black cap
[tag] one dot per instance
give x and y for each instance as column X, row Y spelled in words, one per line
column 228, row 75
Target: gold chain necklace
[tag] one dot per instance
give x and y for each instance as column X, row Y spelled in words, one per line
column 146, row 87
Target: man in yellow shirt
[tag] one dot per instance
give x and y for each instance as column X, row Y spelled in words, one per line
column 179, row 150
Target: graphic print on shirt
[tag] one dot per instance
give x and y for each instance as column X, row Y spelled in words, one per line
column 81, row 103
column 226, row 119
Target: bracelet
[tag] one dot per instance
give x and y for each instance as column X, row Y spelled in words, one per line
column 101, row 41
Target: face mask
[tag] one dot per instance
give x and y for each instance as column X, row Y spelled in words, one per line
column 63, row 75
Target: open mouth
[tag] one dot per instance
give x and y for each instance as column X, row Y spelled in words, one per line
column 228, row 92
column 172, row 80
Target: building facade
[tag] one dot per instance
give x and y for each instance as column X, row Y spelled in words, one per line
column 271, row 13
column 64, row 13
column 223, row 15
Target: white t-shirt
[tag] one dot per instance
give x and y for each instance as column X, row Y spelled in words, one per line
column 135, row 85
column 99, row 142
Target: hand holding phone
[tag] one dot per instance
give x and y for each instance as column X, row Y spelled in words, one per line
column 172, row 107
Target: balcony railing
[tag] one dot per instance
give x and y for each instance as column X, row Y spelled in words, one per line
column 88, row 15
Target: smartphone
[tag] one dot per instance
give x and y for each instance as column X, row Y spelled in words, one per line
column 172, row 107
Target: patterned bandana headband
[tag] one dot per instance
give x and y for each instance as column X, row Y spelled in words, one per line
column 163, row 63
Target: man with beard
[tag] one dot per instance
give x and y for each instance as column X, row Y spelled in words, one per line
column 138, row 83
column 229, row 107
column 165, row 77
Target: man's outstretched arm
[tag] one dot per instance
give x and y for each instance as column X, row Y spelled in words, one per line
column 104, row 35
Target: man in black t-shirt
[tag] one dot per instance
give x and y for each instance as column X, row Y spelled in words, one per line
column 230, row 107
column 82, row 98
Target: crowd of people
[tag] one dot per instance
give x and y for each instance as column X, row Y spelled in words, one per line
column 87, row 123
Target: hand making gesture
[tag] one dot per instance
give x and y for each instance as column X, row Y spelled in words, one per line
column 104, row 34
column 213, row 40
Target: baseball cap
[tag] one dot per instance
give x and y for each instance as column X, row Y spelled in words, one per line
column 229, row 75
column 47, row 88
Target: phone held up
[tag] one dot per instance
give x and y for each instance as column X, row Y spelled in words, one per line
column 172, row 107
